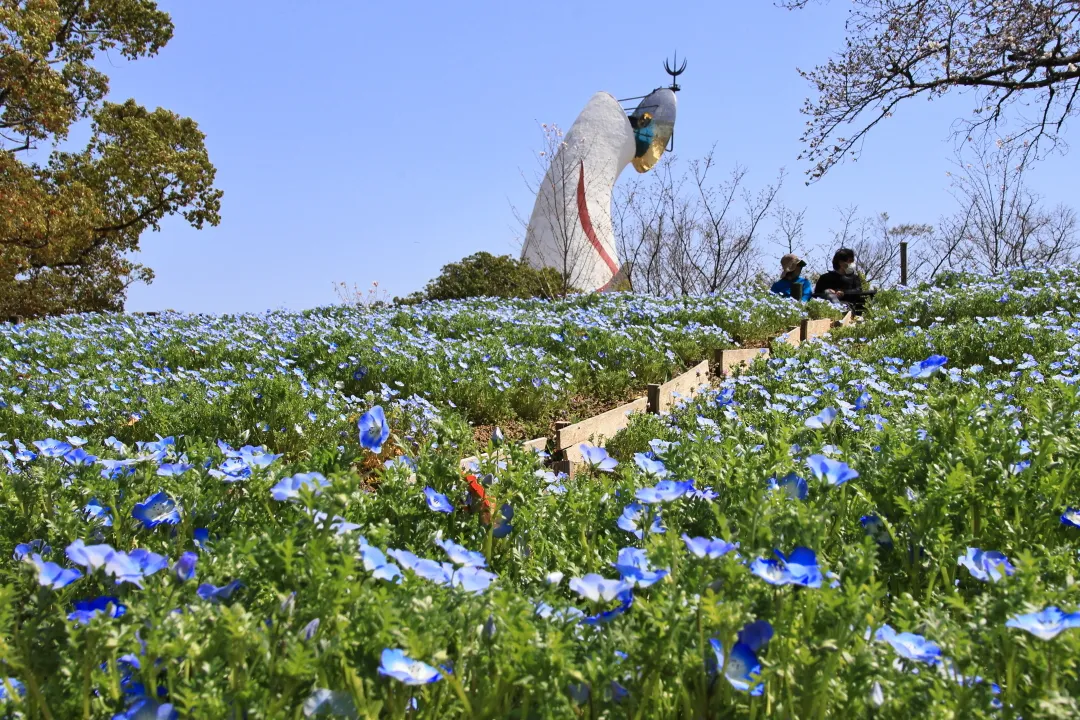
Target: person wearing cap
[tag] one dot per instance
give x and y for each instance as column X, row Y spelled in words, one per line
column 841, row 279
column 790, row 284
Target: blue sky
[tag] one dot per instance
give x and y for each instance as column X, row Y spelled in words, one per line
column 364, row 142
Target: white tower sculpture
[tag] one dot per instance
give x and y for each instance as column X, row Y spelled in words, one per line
column 570, row 227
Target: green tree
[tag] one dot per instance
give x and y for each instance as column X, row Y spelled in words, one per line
column 69, row 224
column 485, row 275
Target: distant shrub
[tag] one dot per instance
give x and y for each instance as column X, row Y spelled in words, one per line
column 485, row 275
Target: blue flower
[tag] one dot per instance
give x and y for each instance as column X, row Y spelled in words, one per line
column 78, row 457
column 822, row 419
column 323, row 702
column 596, row 588
column 794, row 487
column 125, row 568
column 114, row 469
column 24, row 549
column 396, row 664
column 834, row 471
column 927, row 367
column 460, row 555
column 665, row 491
column 86, row 610
column 986, row 564
column 15, row 684
column 909, row 645
column 650, row 466
column 862, row 401
column 215, row 594
column 90, row 557
column 437, row 501
column 598, row 458
column 632, row 515
column 875, row 528
column 375, row 562
column 157, row 509
column 1071, row 517
column 711, row 548
column 502, row 524
column 95, row 511
column 1045, row 624
column 633, row 565
column 173, row 469
column 148, row 562
column 742, row 665
column 185, row 566
column 51, row 448
column 472, row 579
column 145, row 708
column 374, row 429
column 798, row 568
column 53, row 576
column 289, row 488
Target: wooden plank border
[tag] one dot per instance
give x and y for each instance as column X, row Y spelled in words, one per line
column 603, row 425
column 662, row 397
column 727, row 359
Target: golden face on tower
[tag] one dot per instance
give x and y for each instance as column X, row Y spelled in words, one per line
column 653, row 123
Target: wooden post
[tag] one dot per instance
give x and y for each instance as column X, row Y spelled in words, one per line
column 903, row 263
column 559, row 454
column 804, row 330
column 15, row 319
column 652, row 405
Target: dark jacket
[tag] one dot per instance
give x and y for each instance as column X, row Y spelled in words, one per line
column 833, row 280
column 784, row 287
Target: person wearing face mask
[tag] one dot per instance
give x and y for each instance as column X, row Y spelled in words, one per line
column 841, row 280
column 790, row 284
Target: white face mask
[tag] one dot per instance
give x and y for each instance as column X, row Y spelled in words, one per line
column 850, row 269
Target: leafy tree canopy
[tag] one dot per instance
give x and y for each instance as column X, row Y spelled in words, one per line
column 485, row 275
column 70, row 223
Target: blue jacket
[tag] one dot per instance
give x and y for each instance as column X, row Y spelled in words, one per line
column 783, row 287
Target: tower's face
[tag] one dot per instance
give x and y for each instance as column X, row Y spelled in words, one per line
column 653, row 122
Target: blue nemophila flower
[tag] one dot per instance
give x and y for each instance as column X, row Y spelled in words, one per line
column 596, row 588
column 798, row 568
column 289, row 488
column 173, row 469
column 146, row 708
column 460, row 555
column 1045, row 624
column 862, row 401
column 11, row 685
column 376, row 563
column 472, row 579
column 711, row 548
column 90, row 557
column 330, row 703
column 665, row 491
column 78, row 457
column 125, row 568
column 114, row 469
column 148, row 562
column 374, row 429
column 96, row 512
column 598, row 458
column 927, row 367
column 821, row 420
column 741, row 666
column 650, row 466
column 875, row 528
column 834, row 471
column 986, row 564
column 794, row 487
column 51, row 448
column 157, row 509
column 34, row 546
column 396, row 664
column 579, row 692
column 437, row 501
column 216, row 594
column 909, row 645
column 633, row 565
column 632, row 515
column 503, row 525
column 87, row 610
column 53, row 576
column 1071, row 517
column 185, row 566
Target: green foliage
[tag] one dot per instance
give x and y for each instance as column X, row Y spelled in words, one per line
column 485, row 275
column 69, row 226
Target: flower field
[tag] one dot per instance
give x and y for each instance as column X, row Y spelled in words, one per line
column 263, row 516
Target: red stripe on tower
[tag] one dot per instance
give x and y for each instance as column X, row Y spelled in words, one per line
column 586, row 225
